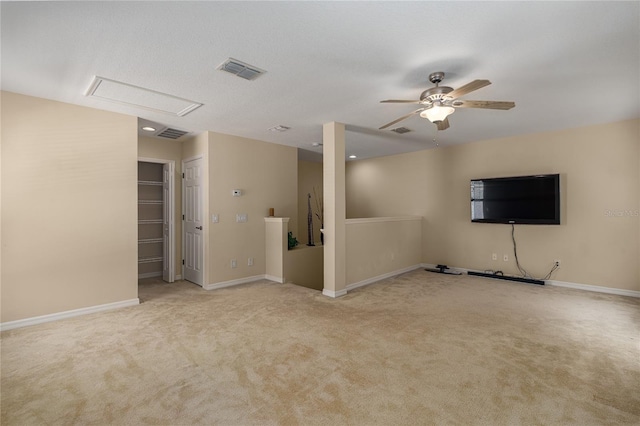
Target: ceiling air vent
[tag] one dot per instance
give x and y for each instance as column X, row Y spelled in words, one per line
column 241, row 69
column 279, row 128
column 170, row 133
column 401, row 130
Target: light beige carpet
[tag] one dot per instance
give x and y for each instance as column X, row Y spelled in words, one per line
column 421, row 348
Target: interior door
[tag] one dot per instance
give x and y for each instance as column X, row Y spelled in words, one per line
column 193, row 222
column 168, row 226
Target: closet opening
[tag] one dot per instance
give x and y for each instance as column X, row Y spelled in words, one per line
column 155, row 219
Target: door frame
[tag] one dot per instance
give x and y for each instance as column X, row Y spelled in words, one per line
column 172, row 213
column 204, row 219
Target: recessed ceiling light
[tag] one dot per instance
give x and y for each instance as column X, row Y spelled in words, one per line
column 149, row 129
column 352, row 156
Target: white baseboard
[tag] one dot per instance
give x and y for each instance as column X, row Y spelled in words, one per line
column 577, row 286
column 10, row 325
column 274, row 278
column 223, row 284
column 334, row 294
column 156, row 274
column 596, row 288
column 382, row 277
column 149, row 275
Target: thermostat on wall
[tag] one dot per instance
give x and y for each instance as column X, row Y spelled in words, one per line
column 236, row 192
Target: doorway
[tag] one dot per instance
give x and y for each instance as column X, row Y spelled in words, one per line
column 156, row 210
column 193, row 220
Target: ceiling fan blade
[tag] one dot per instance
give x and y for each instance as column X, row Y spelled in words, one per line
column 467, row 88
column 398, row 101
column 443, row 125
column 401, row 118
column 504, row 105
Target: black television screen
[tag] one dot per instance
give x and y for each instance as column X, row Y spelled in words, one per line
column 531, row 200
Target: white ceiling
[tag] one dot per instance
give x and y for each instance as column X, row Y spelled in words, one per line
column 565, row 64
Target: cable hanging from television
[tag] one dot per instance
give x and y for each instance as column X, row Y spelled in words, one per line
column 523, row 271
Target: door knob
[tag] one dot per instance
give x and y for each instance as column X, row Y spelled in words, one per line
column 199, row 227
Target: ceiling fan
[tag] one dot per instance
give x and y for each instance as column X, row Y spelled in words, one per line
column 440, row 101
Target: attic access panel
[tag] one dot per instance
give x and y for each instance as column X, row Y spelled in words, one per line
column 140, row 97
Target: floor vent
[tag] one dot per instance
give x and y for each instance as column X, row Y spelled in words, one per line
column 241, row 69
column 401, row 130
column 170, row 133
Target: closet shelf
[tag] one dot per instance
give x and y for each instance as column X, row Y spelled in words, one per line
column 150, row 202
column 149, row 182
column 149, row 259
column 149, row 221
column 150, row 240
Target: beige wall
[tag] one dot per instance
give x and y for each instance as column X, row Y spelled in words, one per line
column 69, row 207
column 304, row 266
column 597, row 242
column 168, row 150
column 380, row 246
column 267, row 174
column 309, row 177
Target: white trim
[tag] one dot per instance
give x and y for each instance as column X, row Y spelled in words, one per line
column 595, row 288
column 231, row 283
column 280, row 280
column 156, row 274
column 149, row 275
column 154, row 160
column 334, row 294
column 576, row 286
column 276, row 219
column 67, row 314
column 169, row 222
column 381, row 219
column 372, row 280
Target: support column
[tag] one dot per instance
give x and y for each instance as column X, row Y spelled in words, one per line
column 335, row 275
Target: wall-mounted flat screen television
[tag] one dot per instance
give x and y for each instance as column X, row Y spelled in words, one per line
column 533, row 200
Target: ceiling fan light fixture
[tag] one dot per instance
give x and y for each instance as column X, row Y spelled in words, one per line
column 437, row 112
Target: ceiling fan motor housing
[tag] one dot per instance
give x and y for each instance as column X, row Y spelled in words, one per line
column 434, row 94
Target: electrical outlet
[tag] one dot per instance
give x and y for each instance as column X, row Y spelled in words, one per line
column 234, row 263
column 557, row 262
column 250, row 261
column 494, row 256
column 505, row 257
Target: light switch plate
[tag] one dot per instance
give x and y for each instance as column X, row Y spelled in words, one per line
column 215, row 218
